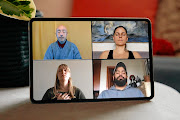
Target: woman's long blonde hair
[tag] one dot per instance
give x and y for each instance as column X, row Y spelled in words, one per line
column 71, row 89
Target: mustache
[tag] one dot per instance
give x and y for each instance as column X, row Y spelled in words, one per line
column 120, row 76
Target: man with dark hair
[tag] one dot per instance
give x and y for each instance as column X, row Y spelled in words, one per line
column 62, row 49
column 120, row 89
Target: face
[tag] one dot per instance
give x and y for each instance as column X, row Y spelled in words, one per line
column 63, row 73
column 120, row 36
column 61, row 33
column 120, row 74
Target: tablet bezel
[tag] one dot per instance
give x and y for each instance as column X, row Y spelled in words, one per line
column 91, row 19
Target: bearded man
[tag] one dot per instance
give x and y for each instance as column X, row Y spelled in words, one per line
column 120, row 89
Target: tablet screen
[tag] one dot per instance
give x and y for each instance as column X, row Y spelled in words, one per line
column 90, row 59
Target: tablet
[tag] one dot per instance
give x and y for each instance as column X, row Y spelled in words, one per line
column 90, row 60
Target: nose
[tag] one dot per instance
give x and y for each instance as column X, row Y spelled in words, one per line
column 63, row 71
column 120, row 36
column 121, row 74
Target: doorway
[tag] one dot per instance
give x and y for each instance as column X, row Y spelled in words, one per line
column 109, row 82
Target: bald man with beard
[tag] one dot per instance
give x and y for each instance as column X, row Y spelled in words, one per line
column 62, row 49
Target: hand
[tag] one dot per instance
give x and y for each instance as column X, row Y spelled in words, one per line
column 64, row 96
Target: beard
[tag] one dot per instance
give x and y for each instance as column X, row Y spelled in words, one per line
column 120, row 82
column 61, row 40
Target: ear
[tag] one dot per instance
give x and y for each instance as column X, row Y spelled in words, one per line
column 56, row 33
column 127, row 39
column 113, row 77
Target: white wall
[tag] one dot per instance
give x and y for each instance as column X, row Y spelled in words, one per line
column 143, row 47
column 44, row 74
column 134, row 67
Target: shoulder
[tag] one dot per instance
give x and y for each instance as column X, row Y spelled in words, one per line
column 136, row 54
column 77, row 90
column 79, row 94
column 104, row 94
column 52, row 44
column 136, row 91
column 104, row 54
column 50, row 89
column 48, row 94
column 70, row 43
column 105, row 91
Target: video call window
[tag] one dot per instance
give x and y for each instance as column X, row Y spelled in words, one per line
column 85, row 60
column 45, row 74
column 106, row 75
column 61, row 40
column 108, row 36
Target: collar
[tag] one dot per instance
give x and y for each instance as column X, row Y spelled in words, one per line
column 61, row 45
column 114, row 88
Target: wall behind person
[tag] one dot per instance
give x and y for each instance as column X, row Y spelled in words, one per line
column 44, row 76
column 44, row 33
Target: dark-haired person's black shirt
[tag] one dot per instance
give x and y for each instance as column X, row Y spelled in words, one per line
column 49, row 94
column 110, row 56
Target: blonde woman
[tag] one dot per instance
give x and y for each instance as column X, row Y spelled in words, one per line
column 120, row 52
column 63, row 88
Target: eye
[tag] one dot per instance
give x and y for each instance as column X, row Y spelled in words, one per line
column 117, row 34
column 116, row 72
column 123, row 72
column 123, row 34
column 64, row 31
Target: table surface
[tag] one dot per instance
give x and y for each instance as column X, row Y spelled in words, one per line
column 165, row 105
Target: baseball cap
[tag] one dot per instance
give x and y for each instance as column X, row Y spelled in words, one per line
column 120, row 64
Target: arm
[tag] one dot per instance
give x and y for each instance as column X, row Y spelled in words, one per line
column 104, row 55
column 79, row 94
column 137, row 55
column 47, row 95
column 49, row 53
column 76, row 53
column 101, row 95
